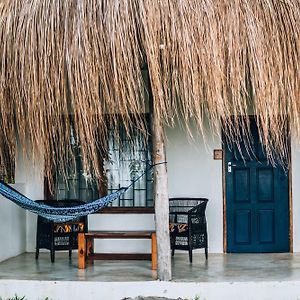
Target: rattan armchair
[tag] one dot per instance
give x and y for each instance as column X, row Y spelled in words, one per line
column 188, row 229
column 56, row 236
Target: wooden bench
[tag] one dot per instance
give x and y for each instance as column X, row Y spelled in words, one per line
column 86, row 246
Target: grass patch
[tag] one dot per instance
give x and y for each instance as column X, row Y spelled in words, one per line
column 16, row 297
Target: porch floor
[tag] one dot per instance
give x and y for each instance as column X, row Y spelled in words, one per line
column 218, row 268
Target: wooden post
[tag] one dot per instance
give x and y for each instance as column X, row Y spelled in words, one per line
column 153, row 251
column 161, row 200
column 81, row 251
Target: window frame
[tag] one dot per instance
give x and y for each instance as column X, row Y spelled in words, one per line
column 103, row 191
column 131, row 209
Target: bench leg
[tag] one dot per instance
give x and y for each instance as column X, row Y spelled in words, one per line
column 81, row 251
column 90, row 249
column 90, row 246
column 153, row 251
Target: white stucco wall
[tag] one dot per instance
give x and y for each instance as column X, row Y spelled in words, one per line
column 13, row 229
column 296, row 194
column 13, row 233
column 122, row 222
column 89, row 290
column 193, row 172
column 30, row 174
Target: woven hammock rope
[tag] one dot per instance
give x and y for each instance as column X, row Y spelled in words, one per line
column 64, row 214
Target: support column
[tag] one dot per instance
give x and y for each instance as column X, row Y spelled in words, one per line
column 161, row 200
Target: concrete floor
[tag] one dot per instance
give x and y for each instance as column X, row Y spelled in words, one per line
column 218, row 268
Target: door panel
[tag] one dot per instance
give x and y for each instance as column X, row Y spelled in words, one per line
column 257, row 200
column 266, row 226
column 265, row 185
column 241, row 185
column 243, row 227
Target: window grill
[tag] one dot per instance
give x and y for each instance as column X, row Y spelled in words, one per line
column 127, row 158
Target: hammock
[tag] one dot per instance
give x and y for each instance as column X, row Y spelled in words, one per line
column 63, row 214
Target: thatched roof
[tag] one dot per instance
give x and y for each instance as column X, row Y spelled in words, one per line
column 207, row 58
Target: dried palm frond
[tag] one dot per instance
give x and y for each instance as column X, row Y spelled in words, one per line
column 78, row 64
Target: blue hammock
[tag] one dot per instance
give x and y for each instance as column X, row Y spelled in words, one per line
column 63, row 214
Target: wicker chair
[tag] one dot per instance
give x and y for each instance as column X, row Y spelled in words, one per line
column 57, row 235
column 188, row 228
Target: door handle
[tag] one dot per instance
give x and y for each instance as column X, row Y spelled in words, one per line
column 229, row 167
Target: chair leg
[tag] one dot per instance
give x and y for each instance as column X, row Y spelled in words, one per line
column 191, row 255
column 52, row 255
column 206, row 253
column 37, row 244
column 70, row 245
column 173, row 251
column 52, row 251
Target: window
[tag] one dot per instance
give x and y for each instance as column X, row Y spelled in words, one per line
column 76, row 185
column 127, row 159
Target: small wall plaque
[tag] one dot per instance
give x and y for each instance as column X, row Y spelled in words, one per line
column 218, row 154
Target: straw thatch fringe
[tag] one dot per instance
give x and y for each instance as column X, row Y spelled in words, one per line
column 80, row 62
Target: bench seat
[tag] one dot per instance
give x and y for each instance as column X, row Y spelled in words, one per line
column 86, row 246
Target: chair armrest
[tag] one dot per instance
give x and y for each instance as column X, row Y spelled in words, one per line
column 195, row 208
column 192, row 215
column 197, row 223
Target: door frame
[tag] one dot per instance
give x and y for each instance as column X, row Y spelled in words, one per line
column 291, row 231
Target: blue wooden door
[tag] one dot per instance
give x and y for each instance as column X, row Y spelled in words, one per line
column 257, row 201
